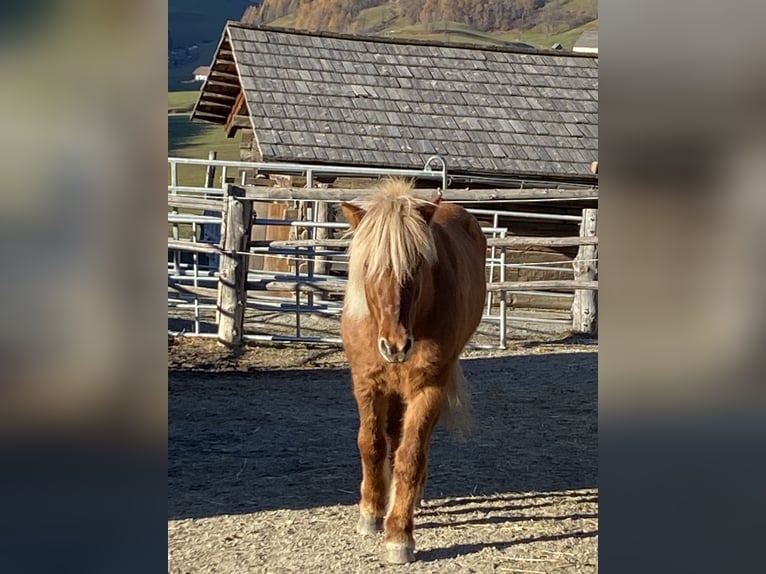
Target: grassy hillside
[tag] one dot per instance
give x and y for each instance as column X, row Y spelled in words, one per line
column 200, row 22
column 537, row 36
column 556, row 23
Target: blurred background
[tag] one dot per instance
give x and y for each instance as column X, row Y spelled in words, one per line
column 82, row 351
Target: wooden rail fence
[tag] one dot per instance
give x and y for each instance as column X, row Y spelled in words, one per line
column 236, row 221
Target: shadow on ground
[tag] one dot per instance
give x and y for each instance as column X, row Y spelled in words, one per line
column 241, row 443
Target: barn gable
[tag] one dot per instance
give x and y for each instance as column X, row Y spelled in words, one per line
column 347, row 100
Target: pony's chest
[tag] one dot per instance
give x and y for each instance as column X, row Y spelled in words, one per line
column 398, row 378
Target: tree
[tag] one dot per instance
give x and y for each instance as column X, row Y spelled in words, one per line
column 430, row 14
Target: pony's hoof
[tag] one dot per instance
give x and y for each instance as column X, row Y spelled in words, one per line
column 397, row 553
column 369, row 525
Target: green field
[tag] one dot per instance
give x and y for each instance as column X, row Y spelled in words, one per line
column 537, row 37
column 182, row 102
column 195, row 139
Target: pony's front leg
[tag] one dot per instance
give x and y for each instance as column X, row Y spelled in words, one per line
column 408, row 476
column 373, row 451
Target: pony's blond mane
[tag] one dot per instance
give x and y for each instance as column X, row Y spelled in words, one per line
column 392, row 238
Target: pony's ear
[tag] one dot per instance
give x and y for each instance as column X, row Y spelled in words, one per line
column 427, row 211
column 353, row 213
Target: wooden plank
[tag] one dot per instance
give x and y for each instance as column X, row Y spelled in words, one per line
column 195, row 203
column 340, row 243
column 553, row 285
column 347, row 194
column 191, row 289
column 217, row 96
column 541, row 241
column 315, row 286
column 183, row 245
column 585, row 303
column 320, row 263
column 227, row 63
column 214, row 105
column 221, row 84
column 219, row 119
column 497, row 242
column 225, row 75
column 239, row 108
column 340, row 286
column 232, row 271
column 239, row 122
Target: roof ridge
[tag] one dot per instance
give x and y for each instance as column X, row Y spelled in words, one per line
column 412, row 42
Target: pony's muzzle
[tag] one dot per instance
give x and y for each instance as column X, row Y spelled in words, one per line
column 392, row 352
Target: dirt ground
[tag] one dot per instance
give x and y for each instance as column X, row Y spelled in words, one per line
column 263, row 471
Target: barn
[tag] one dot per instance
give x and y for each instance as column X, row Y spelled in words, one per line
column 500, row 117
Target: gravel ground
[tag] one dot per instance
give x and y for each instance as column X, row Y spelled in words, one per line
column 263, row 469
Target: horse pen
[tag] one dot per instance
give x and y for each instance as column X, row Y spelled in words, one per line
column 263, row 464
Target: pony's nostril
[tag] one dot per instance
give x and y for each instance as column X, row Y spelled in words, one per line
column 407, row 345
column 384, row 348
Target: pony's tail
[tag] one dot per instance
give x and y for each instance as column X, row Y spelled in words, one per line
column 456, row 411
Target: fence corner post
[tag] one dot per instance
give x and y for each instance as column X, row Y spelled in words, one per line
column 585, row 303
column 236, row 220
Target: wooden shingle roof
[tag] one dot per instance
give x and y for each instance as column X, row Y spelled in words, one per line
column 319, row 98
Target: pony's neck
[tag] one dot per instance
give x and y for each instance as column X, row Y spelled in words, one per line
column 427, row 295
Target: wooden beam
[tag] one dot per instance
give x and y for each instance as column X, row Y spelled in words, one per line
column 174, row 285
column 217, row 96
column 182, row 245
column 239, row 108
column 347, row 194
column 221, row 84
column 195, row 203
column 233, row 265
column 242, row 122
column 496, row 242
column 228, row 64
column 313, row 286
column 585, row 303
column 340, row 286
column 236, row 108
column 238, row 123
column 226, row 75
column 561, row 285
column 205, row 102
column 207, row 116
column 541, row 241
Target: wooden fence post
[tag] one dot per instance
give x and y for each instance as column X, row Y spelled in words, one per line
column 233, row 265
column 320, row 263
column 585, row 303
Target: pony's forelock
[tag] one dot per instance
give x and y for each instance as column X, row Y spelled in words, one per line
column 391, row 238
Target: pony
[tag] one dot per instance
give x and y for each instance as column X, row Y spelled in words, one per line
column 415, row 295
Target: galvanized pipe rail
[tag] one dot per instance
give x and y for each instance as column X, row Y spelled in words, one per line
column 210, row 199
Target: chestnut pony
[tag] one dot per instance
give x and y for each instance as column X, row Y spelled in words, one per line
column 415, row 296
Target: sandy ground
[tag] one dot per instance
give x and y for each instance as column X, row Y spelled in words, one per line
column 263, row 469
